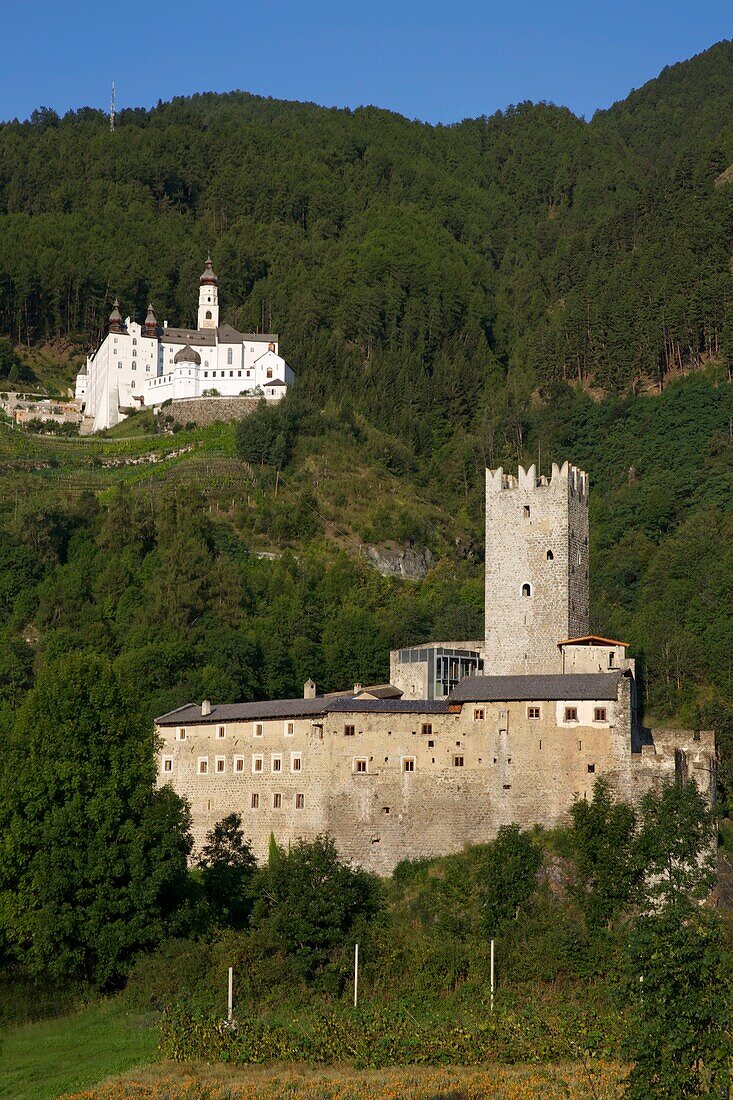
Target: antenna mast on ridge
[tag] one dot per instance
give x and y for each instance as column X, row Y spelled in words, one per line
column 112, row 110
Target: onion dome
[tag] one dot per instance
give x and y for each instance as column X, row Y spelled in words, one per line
column 151, row 324
column 115, row 318
column 208, row 277
column 187, row 355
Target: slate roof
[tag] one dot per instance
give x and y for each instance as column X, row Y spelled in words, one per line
column 504, row 689
column 298, row 708
column 209, row 337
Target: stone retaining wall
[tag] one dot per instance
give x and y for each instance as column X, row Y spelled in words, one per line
column 207, row 410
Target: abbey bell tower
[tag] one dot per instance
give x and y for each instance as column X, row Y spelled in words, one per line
column 208, row 297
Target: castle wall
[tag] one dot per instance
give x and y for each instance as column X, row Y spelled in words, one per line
column 414, row 799
column 536, row 536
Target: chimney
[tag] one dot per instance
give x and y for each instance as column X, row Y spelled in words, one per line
column 205, row 708
column 271, row 345
column 309, row 689
column 357, row 688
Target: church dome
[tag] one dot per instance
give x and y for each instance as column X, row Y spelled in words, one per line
column 187, row 355
column 208, row 275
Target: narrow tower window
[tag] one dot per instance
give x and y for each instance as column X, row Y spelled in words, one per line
column 526, row 590
column 526, row 511
column 550, row 555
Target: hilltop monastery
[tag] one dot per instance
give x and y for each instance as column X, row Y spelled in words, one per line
column 138, row 366
column 467, row 736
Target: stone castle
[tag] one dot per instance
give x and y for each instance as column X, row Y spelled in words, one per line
column 467, row 736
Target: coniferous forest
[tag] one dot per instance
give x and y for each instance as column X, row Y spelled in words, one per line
column 528, row 286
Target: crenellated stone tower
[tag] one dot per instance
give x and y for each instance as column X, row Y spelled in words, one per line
column 536, row 568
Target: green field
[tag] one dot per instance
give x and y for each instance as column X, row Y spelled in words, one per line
column 41, row 1061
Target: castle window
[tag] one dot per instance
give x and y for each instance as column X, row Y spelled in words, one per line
column 296, row 762
column 571, row 714
column 526, row 511
column 167, row 764
column 255, row 801
column 277, row 762
column 348, row 731
column 203, row 765
column 181, row 734
column 290, row 729
column 277, row 801
column 220, row 764
column 431, row 745
column 550, row 555
column 360, row 767
column 259, row 729
column 599, row 714
column 221, row 731
column 526, row 590
column 591, row 768
column 408, row 763
column 426, row 729
column 258, row 763
column 299, row 801
column 534, row 713
column 239, row 763
column 457, row 761
column 611, row 658
column 479, row 714
column 230, row 355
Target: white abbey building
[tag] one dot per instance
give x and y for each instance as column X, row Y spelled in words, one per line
column 138, row 366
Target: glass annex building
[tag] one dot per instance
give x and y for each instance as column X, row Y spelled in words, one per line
column 444, row 667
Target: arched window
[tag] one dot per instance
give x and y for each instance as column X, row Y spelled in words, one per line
column 134, row 340
column 526, row 590
column 550, row 555
column 230, row 357
column 208, row 314
column 269, row 372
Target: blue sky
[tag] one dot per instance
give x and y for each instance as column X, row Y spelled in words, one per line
column 435, row 61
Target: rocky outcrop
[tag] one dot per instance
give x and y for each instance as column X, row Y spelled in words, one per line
column 393, row 560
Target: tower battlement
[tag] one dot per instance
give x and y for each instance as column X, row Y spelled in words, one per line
column 572, row 477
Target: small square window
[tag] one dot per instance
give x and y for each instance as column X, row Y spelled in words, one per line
column 277, row 801
column 167, row 763
column 348, row 731
column 571, row 714
column 255, row 801
column 599, row 714
column 457, row 761
column 426, row 729
column 534, row 713
column 203, row 767
column 431, row 744
column 220, row 764
column 360, row 766
column 479, row 714
column 290, row 729
column 408, row 764
column 299, row 801
column 591, row 768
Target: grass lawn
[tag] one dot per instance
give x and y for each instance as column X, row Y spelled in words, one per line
column 44, row 1060
column 168, row 1081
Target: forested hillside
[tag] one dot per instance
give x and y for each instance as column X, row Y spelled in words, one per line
column 450, row 297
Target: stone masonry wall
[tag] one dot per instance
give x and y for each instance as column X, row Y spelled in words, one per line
column 515, row 769
column 207, row 410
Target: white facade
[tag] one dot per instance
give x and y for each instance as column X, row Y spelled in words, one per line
column 139, row 366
